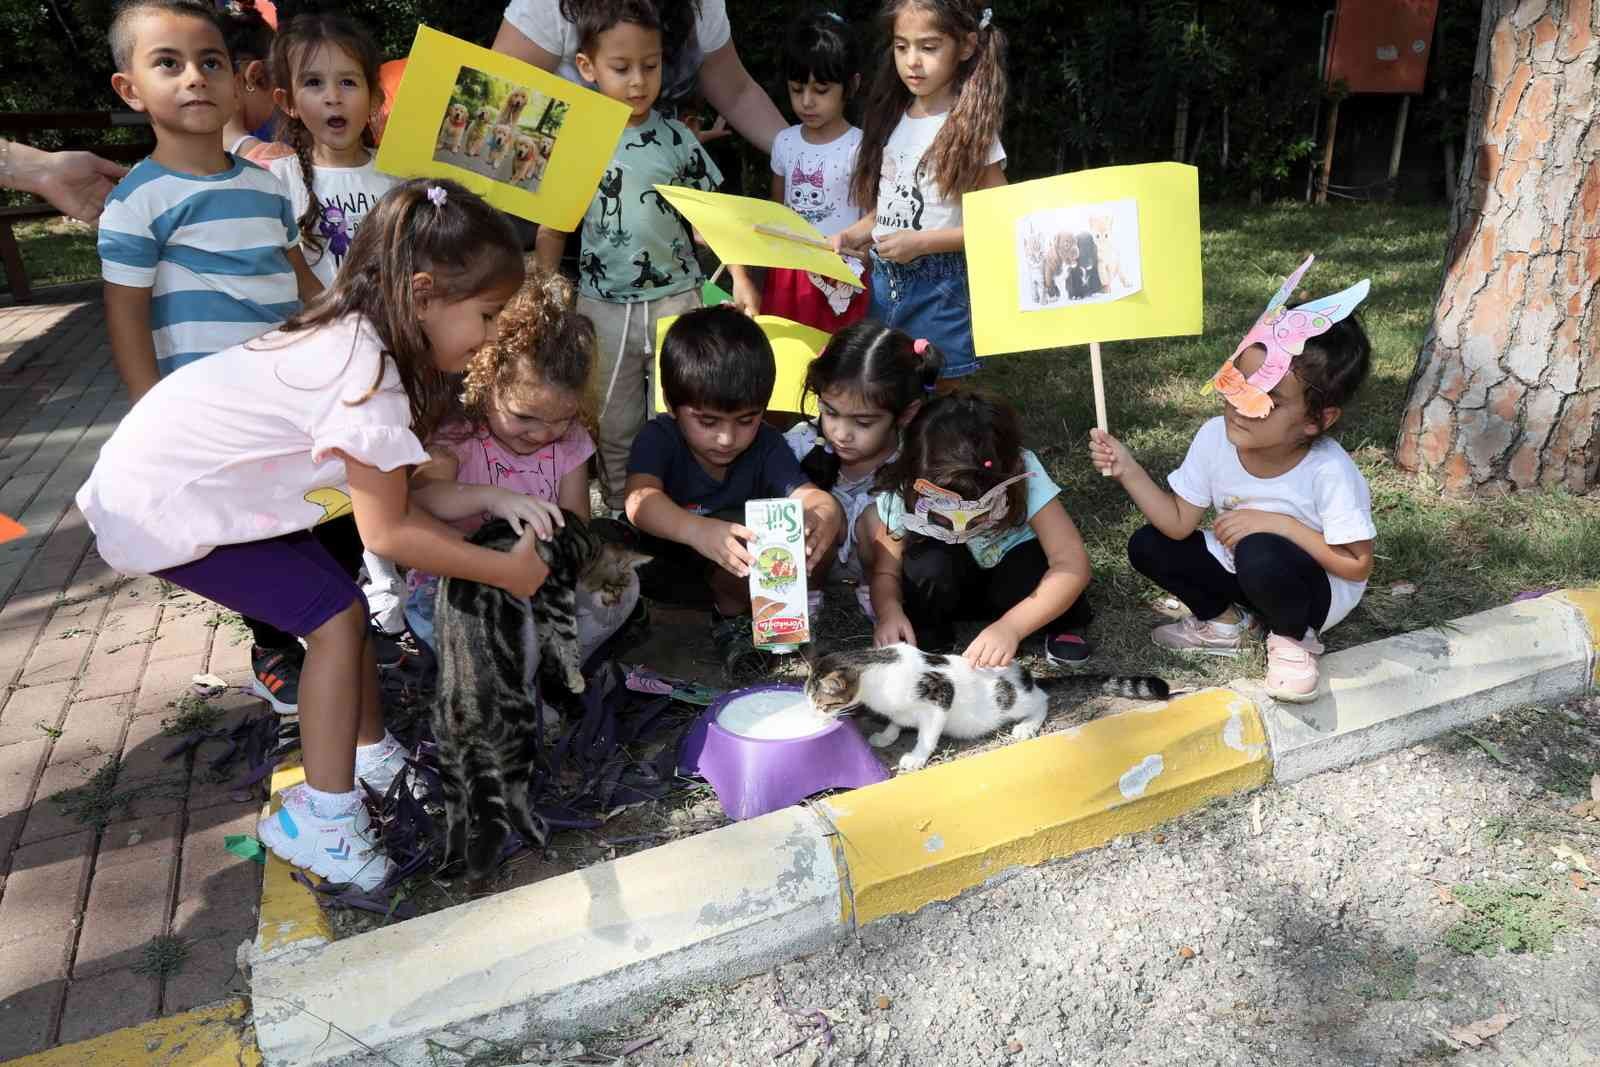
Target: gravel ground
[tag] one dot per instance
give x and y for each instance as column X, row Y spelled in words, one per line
column 1302, row 924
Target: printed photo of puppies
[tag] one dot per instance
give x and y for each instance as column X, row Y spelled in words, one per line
column 1081, row 254
column 499, row 129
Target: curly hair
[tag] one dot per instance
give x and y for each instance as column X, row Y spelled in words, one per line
column 540, row 340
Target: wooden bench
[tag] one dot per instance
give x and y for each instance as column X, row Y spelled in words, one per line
column 14, row 126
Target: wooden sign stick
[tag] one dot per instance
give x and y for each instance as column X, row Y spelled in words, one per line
column 1099, row 386
column 800, row 238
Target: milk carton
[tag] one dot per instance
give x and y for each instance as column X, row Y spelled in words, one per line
column 778, row 575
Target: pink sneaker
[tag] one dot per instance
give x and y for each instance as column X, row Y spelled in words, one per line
column 1292, row 668
column 1211, row 638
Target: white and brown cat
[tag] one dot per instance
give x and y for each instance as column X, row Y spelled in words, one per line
column 937, row 695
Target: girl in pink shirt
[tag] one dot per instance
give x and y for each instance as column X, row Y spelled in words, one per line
column 215, row 477
column 519, row 437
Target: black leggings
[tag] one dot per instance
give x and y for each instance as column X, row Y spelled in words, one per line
column 343, row 542
column 941, row 583
column 1276, row 578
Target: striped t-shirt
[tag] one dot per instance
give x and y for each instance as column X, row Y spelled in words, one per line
column 213, row 250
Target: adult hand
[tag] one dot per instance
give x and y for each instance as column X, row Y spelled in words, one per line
column 526, row 512
column 75, row 183
column 1234, row 526
column 1109, row 455
column 995, row 646
column 902, row 246
column 715, row 132
column 723, row 543
column 893, row 627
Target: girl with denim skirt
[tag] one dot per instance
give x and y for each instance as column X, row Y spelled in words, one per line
column 931, row 134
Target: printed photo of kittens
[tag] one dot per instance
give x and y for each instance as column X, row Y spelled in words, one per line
column 1087, row 253
column 499, row 130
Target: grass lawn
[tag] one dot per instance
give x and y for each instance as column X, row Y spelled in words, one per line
column 57, row 250
column 1462, row 555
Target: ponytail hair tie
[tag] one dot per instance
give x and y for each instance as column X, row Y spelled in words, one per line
column 437, row 194
column 920, row 345
column 988, row 17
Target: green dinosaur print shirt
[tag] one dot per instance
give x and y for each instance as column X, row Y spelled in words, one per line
column 635, row 245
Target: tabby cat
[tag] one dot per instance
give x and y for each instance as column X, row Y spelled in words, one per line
column 938, row 694
column 483, row 717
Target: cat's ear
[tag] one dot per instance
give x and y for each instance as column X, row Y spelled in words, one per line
column 635, row 560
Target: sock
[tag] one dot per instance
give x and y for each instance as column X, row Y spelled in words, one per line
column 330, row 805
column 369, row 756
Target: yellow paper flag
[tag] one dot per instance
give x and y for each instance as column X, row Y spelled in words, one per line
column 793, row 347
column 1099, row 255
column 526, row 141
column 758, row 233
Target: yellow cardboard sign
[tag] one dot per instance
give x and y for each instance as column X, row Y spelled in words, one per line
column 751, row 233
column 526, row 141
column 1060, row 261
column 794, row 346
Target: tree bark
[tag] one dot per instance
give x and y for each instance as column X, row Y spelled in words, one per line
column 1506, row 390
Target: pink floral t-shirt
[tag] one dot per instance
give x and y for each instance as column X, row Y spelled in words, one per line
column 245, row 445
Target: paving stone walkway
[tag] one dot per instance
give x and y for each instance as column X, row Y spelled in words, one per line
column 90, row 665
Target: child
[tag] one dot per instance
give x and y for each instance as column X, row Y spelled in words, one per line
column 249, row 41
column 519, row 442
column 992, row 541
column 869, row 383
column 692, row 471
column 212, row 481
column 326, row 71
column 198, row 248
column 1292, row 542
column 638, row 263
column 812, row 164
column 932, row 133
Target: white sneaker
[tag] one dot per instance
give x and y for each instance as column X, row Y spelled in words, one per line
column 343, row 848
column 380, row 767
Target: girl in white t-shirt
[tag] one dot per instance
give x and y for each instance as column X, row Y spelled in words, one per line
column 215, row 477
column 1291, row 546
column 932, row 134
column 811, row 168
column 325, row 68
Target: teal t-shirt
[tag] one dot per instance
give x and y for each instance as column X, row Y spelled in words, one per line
column 635, row 245
column 987, row 549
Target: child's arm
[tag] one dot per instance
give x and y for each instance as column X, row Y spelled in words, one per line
column 133, row 347
column 1166, row 510
column 573, row 492
column 1352, row 562
column 884, row 583
column 392, row 527
column 780, row 190
column 434, row 487
column 548, row 246
column 309, row 284
column 746, row 294
column 903, row 246
column 824, row 520
column 650, row 508
column 1065, row 578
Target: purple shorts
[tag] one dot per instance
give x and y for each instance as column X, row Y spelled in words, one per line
column 290, row 581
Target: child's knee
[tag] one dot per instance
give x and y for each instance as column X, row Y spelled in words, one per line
column 347, row 624
column 1147, row 547
column 1263, row 561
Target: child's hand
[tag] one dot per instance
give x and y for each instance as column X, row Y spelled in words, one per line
column 723, row 543
column 527, row 570
column 845, row 242
column 902, row 246
column 523, row 511
column 893, row 627
column 1234, row 526
column 1109, row 455
column 996, row 646
column 823, row 526
column 746, row 297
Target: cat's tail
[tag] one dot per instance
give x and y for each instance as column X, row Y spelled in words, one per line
column 1137, row 686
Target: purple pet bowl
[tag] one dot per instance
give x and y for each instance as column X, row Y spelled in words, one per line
column 763, row 748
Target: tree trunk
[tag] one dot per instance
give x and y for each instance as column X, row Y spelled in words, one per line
column 1506, row 390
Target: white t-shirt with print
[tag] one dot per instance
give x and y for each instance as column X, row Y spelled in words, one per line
column 540, row 21
column 908, row 197
column 1325, row 490
column 347, row 194
column 816, row 177
column 242, row 446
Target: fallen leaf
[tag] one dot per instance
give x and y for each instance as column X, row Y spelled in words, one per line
column 1495, row 752
column 1186, row 952
column 1445, row 896
column 1159, row 839
column 1255, row 816
column 883, row 1003
column 1474, row 1034
column 1572, row 858
column 1578, row 881
column 1014, row 1046
column 1585, row 809
column 1402, row 589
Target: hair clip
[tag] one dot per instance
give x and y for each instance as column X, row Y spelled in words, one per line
column 988, row 464
column 920, row 345
column 988, row 17
column 438, row 194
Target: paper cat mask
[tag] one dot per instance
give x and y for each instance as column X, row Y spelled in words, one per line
column 1283, row 332
column 943, row 515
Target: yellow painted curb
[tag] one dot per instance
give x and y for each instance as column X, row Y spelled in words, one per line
column 218, row 1036
column 933, row 834
column 289, row 911
column 1588, row 602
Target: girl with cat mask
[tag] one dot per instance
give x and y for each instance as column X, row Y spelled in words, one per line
column 869, row 382
column 967, row 525
column 519, row 446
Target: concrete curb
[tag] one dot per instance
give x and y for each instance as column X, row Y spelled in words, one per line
column 580, row 951
column 215, row 1036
